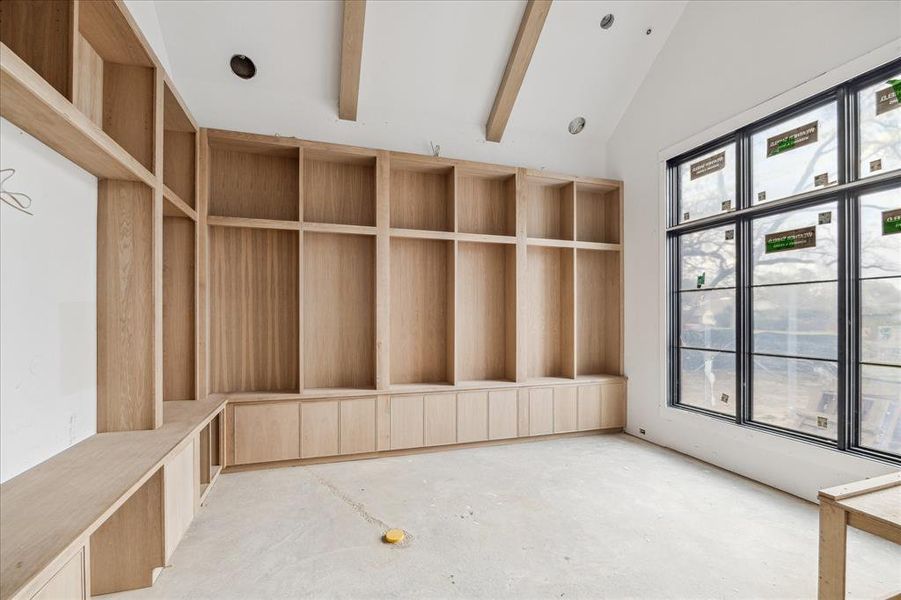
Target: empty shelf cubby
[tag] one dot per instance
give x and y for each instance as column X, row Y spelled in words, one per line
column 486, row 202
column 550, row 206
column 422, row 197
column 338, row 188
column 599, row 214
column 179, row 149
column 550, row 328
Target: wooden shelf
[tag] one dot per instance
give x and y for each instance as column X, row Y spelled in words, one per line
column 252, row 223
column 254, row 309
column 339, row 228
column 486, row 202
column 253, row 179
column 486, row 297
column 338, row 316
column 338, row 188
column 422, row 197
column 176, row 207
column 31, row 103
column 422, row 311
column 551, row 208
column 599, row 214
column 599, row 312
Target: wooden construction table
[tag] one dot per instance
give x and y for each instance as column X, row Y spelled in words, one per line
column 872, row 505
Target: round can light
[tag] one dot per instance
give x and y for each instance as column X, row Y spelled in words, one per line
column 242, row 66
column 577, row 125
column 607, row 21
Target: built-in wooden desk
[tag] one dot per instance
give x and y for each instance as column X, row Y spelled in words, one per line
column 80, row 501
column 872, row 505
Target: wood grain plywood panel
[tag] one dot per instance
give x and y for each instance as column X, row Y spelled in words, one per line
column 178, row 309
column 266, row 432
column 472, row 417
column 319, row 429
column 338, row 310
column 357, row 426
column 260, row 185
column 126, row 398
column 254, row 310
column 541, row 411
column 565, row 409
column 503, row 414
column 40, row 33
column 599, row 217
column 484, row 302
column 440, row 419
column 339, row 192
column 550, row 211
column 406, row 422
column 486, row 204
column 589, row 407
column 87, row 91
column 599, row 304
column 179, row 159
column 69, row 583
column 421, row 200
column 129, row 545
column 550, row 300
column 128, row 109
column 178, row 476
column 419, row 310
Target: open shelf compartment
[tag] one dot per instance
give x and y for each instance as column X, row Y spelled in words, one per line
column 599, row 214
column 254, row 310
column 422, row 196
column 338, row 188
column 486, row 202
column 179, row 149
column 338, row 310
column 42, row 34
column 599, row 328
column 551, row 208
column 253, row 179
column 486, row 304
column 422, row 311
column 551, row 324
column 179, row 340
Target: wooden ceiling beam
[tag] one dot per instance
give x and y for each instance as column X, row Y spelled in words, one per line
column 351, row 58
column 520, row 56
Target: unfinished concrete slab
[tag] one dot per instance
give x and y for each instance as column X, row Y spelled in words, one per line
column 606, row 516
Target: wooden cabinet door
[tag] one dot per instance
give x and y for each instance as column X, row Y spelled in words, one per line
column 565, row 411
column 357, row 425
column 541, row 411
column 503, row 414
column 440, row 419
column 472, row 417
column 589, row 407
column 613, row 405
column 406, row 422
column 266, row 432
column 319, row 429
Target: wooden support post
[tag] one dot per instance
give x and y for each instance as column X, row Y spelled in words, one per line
column 833, row 540
column 382, row 271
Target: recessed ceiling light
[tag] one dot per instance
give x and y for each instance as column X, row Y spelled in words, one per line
column 607, row 21
column 242, row 66
column 648, row 31
column 577, row 125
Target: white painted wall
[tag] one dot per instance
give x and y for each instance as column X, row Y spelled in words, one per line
column 48, row 305
column 724, row 65
column 145, row 15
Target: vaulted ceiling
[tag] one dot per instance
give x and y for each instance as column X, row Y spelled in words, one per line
column 430, row 72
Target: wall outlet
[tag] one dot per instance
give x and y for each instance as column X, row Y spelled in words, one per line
column 641, row 431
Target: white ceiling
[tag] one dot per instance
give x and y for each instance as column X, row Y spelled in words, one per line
column 430, row 72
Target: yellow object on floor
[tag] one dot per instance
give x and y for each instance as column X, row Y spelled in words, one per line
column 393, row 536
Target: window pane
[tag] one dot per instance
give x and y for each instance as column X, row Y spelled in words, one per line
column 707, row 184
column 799, row 247
column 880, row 241
column 796, row 320
column 707, row 380
column 708, row 319
column 795, row 155
column 796, row 394
column 879, row 112
column 707, row 258
column 880, row 408
column 880, row 321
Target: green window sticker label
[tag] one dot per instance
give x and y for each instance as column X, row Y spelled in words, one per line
column 794, row 239
column 701, row 279
column 791, row 139
column 888, row 98
column 708, row 165
column 891, row 221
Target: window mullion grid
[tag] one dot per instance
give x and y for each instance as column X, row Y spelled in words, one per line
column 851, row 295
column 742, row 283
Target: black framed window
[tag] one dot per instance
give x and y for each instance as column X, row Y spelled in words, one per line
column 784, row 260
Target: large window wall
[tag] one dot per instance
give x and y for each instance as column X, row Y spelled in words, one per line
column 784, row 253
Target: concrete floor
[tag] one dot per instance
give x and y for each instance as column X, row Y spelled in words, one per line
column 592, row 517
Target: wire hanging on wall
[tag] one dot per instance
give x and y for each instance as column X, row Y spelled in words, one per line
column 18, row 200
